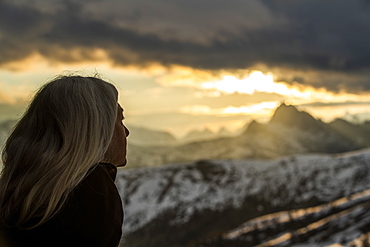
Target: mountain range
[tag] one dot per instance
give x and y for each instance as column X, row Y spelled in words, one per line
column 301, row 200
column 288, row 132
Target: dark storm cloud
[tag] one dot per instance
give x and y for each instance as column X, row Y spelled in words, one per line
column 331, row 37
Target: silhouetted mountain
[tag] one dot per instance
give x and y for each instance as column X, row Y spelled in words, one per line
column 223, row 132
column 146, row 137
column 366, row 125
column 255, row 127
column 205, row 135
column 289, row 115
column 199, row 135
column 358, row 133
column 318, row 136
column 288, row 132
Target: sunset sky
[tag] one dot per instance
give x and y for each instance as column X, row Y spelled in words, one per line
column 182, row 65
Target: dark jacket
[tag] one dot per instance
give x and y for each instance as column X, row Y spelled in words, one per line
column 92, row 216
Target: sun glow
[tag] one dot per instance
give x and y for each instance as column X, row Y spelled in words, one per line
column 261, row 109
column 256, row 81
column 208, row 84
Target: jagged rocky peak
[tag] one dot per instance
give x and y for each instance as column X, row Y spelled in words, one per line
column 289, row 115
column 224, row 132
column 344, row 126
column 255, row 127
column 341, row 121
column 196, row 135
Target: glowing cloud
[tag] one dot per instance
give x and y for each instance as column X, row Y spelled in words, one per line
column 261, row 109
column 255, row 82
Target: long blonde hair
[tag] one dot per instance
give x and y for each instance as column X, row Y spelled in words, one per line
column 64, row 133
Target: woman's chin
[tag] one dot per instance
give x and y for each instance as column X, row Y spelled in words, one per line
column 123, row 163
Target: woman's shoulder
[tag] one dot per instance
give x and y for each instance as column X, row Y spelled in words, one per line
column 92, row 215
column 100, row 179
column 97, row 187
column 94, row 210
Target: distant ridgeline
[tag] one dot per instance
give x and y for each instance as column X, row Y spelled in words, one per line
column 289, row 132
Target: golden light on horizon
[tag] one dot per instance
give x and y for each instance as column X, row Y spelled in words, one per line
column 256, row 81
column 260, row 109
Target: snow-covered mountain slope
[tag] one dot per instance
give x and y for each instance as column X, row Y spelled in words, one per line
column 343, row 222
column 207, row 198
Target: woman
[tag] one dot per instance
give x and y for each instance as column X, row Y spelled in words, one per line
column 57, row 185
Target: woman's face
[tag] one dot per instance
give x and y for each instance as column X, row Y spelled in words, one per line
column 117, row 150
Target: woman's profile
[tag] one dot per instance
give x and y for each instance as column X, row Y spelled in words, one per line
column 57, row 184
